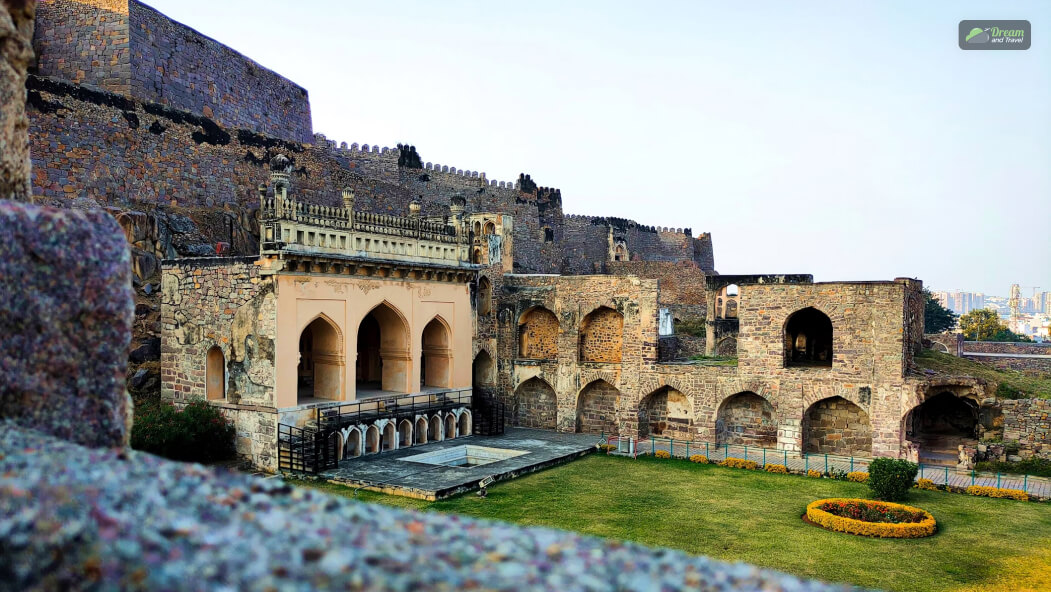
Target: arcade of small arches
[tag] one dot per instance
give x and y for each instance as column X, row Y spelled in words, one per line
column 832, row 425
column 385, row 435
column 383, row 363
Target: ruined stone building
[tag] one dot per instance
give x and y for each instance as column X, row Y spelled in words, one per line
column 367, row 299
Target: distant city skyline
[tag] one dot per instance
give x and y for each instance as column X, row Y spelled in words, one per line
column 781, row 128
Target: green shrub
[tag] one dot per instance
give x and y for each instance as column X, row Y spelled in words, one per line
column 1006, row 391
column 197, row 433
column 891, row 478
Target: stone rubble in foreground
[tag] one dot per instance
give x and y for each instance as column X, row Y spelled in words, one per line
column 78, row 518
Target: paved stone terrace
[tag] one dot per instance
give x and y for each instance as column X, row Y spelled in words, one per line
column 1039, row 487
column 385, row 472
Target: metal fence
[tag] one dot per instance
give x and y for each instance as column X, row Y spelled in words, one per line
column 823, row 463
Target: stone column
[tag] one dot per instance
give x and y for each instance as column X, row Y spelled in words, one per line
column 16, row 53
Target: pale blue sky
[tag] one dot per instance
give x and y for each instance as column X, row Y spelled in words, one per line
column 849, row 140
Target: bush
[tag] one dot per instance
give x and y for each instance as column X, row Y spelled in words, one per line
column 699, row 459
column 197, row 433
column 869, row 518
column 739, row 463
column 780, row 469
column 926, row 484
column 858, row 476
column 985, row 491
column 814, row 474
column 662, row 454
column 891, row 478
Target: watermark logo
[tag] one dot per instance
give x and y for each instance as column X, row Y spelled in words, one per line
column 995, row 35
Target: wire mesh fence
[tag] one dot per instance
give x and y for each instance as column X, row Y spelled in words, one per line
column 826, row 464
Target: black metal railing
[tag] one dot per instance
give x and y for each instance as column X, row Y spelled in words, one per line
column 334, row 418
column 488, row 414
column 306, row 450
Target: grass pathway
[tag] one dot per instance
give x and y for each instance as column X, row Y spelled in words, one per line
column 982, row 544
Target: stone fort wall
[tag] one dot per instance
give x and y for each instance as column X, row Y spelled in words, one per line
column 126, row 47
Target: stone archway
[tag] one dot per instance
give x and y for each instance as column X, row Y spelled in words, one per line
column 436, row 433
column 421, row 430
column 536, row 405
column 666, row 413
column 837, row 426
column 538, row 334
column 483, row 370
column 404, row 433
column 352, row 446
column 602, row 336
column 215, row 371
column 748, row 419
column 320, row 369
column 436, row 355
column 450, row 426
column 597, row 409
column 485, row 297
column 383, row 351
column 463, row 423
column 940, row 425
column 808, row 338
column 390, row 437
column 372, row 440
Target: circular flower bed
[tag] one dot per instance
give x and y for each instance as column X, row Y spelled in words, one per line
column 871, row 518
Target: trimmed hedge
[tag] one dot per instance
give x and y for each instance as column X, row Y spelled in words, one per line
column 891, row 478
column 891, row 530
column 196, row 433
column 779, row 469
column 699, row 459
column 926, row 484
column 662, row 454
column 986, row 491
column 814, row 474
column 739, row 463
column 858, row 477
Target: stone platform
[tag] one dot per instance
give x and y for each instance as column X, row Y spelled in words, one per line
column 388, row 473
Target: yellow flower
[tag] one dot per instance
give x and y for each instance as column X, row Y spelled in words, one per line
column 905, row 530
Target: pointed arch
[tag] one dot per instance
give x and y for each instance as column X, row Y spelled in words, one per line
column 321, row 360
column 420, row 430
column 808, row 337
column 538, row 334
column 383, row 359
column 450, row 426
column 352, row 443
column 405, row 433
column 597, row 408
column 602, row 336
column 536, row 405
column 484, row 297
column 436, row 358
column 666, row 412
column 746, row 418
column 837, row 426
column 436, row 432
column 483, row 370
column 215, row 372
column 463, row 423
column 390, row 436
column 372, row 439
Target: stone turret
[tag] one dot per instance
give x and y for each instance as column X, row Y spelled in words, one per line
column 281, row 175
column 414, row 210
column 456, row 208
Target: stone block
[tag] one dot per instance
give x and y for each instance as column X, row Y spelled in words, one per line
column 66, row 310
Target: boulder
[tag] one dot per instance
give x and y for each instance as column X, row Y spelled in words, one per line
column 65, row 290
column 149, row 350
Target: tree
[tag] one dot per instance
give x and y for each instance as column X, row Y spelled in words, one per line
column 981, row 324
column 936, row 318
column 1006, row 334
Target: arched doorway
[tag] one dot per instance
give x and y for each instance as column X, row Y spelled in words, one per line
column 405, row 434
column 483, row 370
column 450, row 426
column 383, row 352
column 352, row 447
column 602, row 336
column 436, row 356
column 837, row 426
column 808, row 338
column 597, row 409
column 390, row 436
column 667, row 413
column 746, row 418
column 939, row 425
column 320, row 372
column 421, row 430
column 485, row 297
column 538, row 334
column 464, row 424
column 372, row 440
column 536, row 405
column 435, row 434
column 216, row 374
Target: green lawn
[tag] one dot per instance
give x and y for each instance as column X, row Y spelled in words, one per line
column 738, row 515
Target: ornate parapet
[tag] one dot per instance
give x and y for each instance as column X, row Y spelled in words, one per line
column 291, row 226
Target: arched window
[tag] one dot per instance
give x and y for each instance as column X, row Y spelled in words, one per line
column 483, row 369
column 477, row 228
column 601, row 336
column 538, row 334
column 436, row 357
column 620, row 253
column 320, row 372
column 383, row 352
column 216, row 374
column 485, row 297
column 808, row 338
column 489, row 228
column 549, row 235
